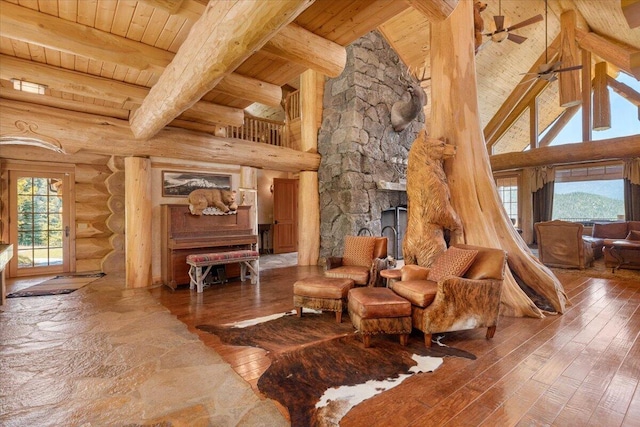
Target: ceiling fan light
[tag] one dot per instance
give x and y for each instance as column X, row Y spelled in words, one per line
column 499, row 37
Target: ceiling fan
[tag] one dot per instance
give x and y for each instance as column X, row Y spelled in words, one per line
column 549, row 71
column 501, row 32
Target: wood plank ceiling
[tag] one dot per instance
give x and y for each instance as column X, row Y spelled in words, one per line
column 103, row 56
column 499, row 65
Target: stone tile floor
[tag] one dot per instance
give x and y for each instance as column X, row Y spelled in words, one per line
column 269, row 261
column 109, row 356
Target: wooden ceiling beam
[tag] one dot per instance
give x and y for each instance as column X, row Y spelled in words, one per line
column 631, row 12
column 605, row 149
column 434, row 10
column 587, row 134
column 109, row 90
column 627, row 92
column 31, row 26
column 569, row 81
column 224, row 37
column 601, row 100
column 303, row 47
column 496, row 123
column 71, row 81
column 239, row 86
column 564, row 118
column 623, row 56
column 65, row 104
column 88, row 133
column 526, row 101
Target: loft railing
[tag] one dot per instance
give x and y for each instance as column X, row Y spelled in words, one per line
column 269, row 131
column 293, row 105
column 260, row 130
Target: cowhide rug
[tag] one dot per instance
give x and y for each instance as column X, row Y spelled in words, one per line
column 320, row 369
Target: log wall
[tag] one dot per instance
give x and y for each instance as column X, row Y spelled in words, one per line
column 91, row 204
column 92, row 211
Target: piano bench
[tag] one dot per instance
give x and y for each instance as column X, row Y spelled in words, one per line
column 201, row 264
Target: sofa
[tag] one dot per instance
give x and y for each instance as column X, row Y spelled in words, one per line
column 560, row 244
column 604, row 233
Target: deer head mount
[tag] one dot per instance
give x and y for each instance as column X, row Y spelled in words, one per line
column 407, row 109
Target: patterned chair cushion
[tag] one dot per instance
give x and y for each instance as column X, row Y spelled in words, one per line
column 452, row 262
column 358, row 250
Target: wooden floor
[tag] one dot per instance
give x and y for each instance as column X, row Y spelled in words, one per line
column 577, row 369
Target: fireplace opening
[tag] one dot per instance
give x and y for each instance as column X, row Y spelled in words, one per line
column 394, row 224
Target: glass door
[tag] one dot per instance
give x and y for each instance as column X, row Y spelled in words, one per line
column 41, row 229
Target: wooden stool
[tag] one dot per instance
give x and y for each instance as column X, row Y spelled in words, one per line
column 321, row 293
column 379, row 310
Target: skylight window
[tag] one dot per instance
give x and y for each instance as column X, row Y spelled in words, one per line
column 28, row 87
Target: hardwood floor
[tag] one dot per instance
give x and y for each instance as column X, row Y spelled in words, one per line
column 580, row 368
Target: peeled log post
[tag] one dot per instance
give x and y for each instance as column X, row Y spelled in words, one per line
column 455, row 116
column 138, row 222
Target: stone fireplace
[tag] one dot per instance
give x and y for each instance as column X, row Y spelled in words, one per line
column 359, row 148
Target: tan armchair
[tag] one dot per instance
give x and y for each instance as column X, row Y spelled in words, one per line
column 362, row 260
column 453, row 303
column 560, row 244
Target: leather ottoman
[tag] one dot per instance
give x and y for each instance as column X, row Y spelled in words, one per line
column 322, row 293
column 379, row 311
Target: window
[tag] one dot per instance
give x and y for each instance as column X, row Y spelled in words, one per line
column 589, row 193
column 508, row 191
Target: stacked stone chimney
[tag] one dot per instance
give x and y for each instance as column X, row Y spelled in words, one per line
column 357, row 142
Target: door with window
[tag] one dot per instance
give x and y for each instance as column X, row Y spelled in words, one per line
column 40, row 222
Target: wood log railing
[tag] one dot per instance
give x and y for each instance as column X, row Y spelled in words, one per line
column 269, row 131
column 293, row 105
column 261, row 130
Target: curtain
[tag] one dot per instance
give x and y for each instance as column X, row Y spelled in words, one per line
column 542, row 181
column 631, row 175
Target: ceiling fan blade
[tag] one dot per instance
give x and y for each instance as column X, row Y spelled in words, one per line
column 528, row 81
column 499, row 21
column 548, row 68
column 526, row 22
column 575, row 67
column 516, row 38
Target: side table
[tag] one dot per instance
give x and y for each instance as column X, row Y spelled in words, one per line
column 391, row 275
column 622, row 253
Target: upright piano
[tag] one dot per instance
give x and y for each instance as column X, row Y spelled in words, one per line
column 184, row 234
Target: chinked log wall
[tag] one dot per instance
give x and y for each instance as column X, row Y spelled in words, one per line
column 92, row 211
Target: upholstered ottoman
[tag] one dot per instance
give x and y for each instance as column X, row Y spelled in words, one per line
column 322, row 293
column 379, row 310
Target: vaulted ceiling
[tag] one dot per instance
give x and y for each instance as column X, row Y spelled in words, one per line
column 112, row 57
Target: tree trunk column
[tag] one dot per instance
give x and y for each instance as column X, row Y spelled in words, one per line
column 455, row 116
column 138, row 221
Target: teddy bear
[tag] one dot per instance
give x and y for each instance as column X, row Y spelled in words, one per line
column 224, row 200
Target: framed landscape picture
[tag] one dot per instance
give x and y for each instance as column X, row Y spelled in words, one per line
column 180, row 184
